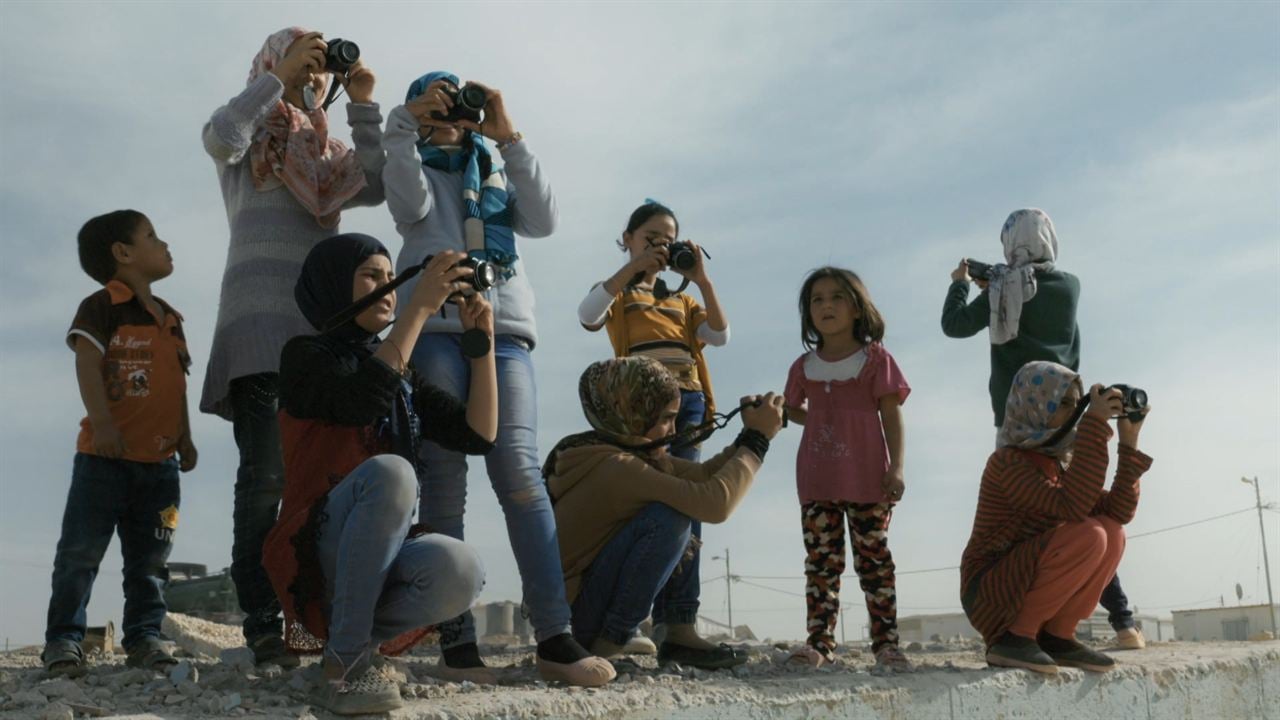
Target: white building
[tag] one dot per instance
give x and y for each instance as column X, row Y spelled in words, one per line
column 1224, row 623
column 923, row 628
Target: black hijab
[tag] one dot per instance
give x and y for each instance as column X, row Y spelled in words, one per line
column 324, row 286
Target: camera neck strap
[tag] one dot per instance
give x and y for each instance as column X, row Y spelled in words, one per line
column 349, row 313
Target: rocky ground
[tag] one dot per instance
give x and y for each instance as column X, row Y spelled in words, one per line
column 217, row 678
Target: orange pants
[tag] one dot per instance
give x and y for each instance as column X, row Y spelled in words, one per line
column 1078, row 563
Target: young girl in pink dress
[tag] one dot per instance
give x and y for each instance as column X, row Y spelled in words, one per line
column 847, row 392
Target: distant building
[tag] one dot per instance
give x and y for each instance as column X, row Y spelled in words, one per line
column 1097, row 627
column 923, row 628
column 1223, row 623
column 502, row 621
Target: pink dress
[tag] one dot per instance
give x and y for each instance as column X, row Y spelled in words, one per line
column 843, row 455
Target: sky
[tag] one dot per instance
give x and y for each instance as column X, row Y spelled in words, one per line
column 891, row 139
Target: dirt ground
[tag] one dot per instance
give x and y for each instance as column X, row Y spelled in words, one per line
column 217, row 679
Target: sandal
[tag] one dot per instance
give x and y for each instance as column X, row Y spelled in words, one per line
column 808, row 655
column 63, row 658
column 150, row 654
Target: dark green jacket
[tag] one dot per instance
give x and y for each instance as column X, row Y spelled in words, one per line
column 1047, row 330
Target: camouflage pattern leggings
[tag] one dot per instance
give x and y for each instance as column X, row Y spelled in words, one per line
column 823, row 524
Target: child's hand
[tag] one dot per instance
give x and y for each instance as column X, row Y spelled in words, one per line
column 698, row 274
column 359, row 83
column 496, row 125
column 766, row 418
column 440, row 279
column 1105, row 403
column 1129, row 430
column 961, row 273
column 186, row 454
column 893, row 485
column 432, row 100
column 107, row 441
column 306, row 54
column 475, row 312
column 652, row 260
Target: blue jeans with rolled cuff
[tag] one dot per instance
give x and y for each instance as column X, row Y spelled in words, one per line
column 677, row 603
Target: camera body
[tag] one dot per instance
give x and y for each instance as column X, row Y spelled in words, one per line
column 340, row 55
column 978, row 270
column 1134, row 399
column 468, row 102
column 682, row 256
column 483, row 274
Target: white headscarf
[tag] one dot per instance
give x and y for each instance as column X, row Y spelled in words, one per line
column 1030, row 244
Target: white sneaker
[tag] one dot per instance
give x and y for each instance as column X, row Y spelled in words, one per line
column 361, row 689
column 1130, row 639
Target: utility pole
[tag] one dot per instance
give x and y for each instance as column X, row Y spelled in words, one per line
column 728, row 590
column 1266, row 563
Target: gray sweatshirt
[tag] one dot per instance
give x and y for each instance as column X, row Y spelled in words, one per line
column 427, row 206
column 271, row 234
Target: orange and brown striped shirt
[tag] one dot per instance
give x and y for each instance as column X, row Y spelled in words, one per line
column 1024, row 497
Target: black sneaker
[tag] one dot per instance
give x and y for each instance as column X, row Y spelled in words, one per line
column 716, row 658
column 1070, row 653
column 1014, row 651
column 270, row 649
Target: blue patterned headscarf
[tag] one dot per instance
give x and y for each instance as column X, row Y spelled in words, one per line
column 487, row 227
column 1038, row 389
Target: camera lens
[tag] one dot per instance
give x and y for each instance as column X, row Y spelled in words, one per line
column 682, row 257
column 340, row 55
column 485, row 277
column 472, row 97
column 1137, row 399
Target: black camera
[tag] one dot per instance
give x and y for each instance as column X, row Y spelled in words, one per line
column 1134, row 399
column 682, row 255
column 978, row 270
column 467, row 103
column 483, row 274
column 340, row 55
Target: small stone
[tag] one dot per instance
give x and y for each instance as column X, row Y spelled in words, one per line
column 63, row 688
column 936, row 647
column 190, row 689
column 698, row 674
column 102, row 693
column 914, row 647
column 741, row 671
column 647, row 680
column 299, row 682
column 467, row 686
column 175, row 699
column 624, row 678
column 184, row 671
column 159, row 684
column 57, row 711
column 270, row 671
column 90, row 710
column 239, row 658
column 231, row 700
column 30, row 697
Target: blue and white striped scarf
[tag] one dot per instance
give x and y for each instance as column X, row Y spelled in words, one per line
column 487, row 227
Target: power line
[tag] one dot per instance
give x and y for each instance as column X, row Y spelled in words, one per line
column 1196, row 522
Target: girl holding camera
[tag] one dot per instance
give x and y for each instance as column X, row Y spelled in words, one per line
column 354, row 573
column 285, row 182
column 847, row 391
column 446, row 192
column 1047, row 536
column 644, row 319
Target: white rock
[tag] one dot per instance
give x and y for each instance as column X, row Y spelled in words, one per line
column 184, row 671
column 63, row 688
column 231, row 700
column 270, row 671
column 239, row 658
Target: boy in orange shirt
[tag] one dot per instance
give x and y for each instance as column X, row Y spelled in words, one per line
column 131, row 364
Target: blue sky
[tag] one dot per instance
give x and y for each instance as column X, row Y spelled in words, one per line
column 889, row 138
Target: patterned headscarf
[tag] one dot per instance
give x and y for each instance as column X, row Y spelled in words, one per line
column 622, row 399
column 487, row 226
column 1030, row 244
column 1038, row 389
column 293, row 148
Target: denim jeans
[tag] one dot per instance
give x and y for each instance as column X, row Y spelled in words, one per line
column 379, row 583
column 677, row 602
column 514, row 472
column 137, row 501
column 619, row 587
column 259, row 482
column 1117, row 605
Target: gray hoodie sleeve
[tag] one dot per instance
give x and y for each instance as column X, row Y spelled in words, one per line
column 229, row 133
column 366, row 136
column 408, row 192
column 534, row 213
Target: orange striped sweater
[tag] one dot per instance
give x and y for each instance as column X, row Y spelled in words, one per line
column 1024, row 497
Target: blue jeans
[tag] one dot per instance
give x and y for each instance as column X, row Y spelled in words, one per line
column 619, row 587
column 514, row 472
column 259, row 483
column 139, row 502
column 379, row 583
column 677, row 603
column 1117, row 605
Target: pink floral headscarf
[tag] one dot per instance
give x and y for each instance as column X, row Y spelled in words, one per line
column 293, row 147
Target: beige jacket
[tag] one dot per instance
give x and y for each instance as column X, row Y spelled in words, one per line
column 597, row 489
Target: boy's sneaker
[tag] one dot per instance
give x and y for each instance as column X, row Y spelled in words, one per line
column 63, row 658
column 270, row 649
column 890, row 658
column 1130, row 639
column 361, row 689
column 1069, row 652
column 1014, row 651
column 150, row 654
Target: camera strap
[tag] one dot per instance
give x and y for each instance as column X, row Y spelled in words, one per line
column 348, row 313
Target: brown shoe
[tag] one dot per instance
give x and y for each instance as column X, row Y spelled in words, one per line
column 1130, row 639
column 588, row 672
